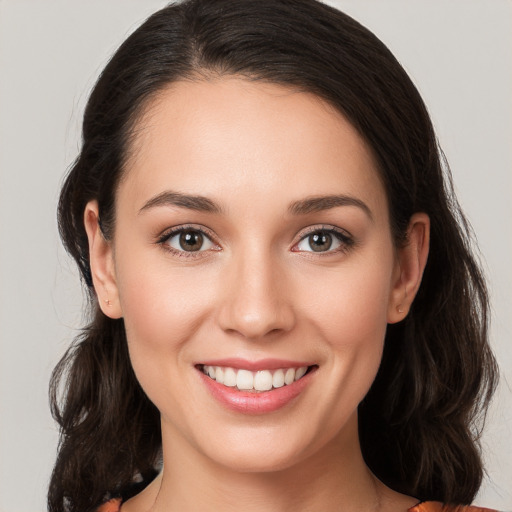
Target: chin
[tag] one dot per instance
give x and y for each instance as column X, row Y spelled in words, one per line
column 256, row 462
column 260, row 452
column 275, row 457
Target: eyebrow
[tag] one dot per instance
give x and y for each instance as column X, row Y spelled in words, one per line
column 191, row 202
column 321, row 203
column 301, row 207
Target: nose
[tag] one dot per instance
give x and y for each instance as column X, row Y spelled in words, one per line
column 256, row 299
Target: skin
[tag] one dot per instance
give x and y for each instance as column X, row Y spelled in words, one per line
column 258, row 290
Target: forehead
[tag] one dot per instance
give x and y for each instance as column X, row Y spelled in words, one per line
column 232, row 138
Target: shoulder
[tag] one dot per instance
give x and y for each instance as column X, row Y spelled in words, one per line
column 110, row 506
column 434, row 506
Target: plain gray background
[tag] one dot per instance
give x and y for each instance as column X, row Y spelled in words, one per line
column 458, row 52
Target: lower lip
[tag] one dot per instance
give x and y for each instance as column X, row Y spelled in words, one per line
column 258, row 402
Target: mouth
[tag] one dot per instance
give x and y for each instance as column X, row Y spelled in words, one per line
column 255, row 381
column 255, row 387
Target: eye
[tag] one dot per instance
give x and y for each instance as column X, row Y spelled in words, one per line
column 187, row 240
column 324, row 240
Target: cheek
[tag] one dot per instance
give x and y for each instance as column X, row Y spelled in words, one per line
column 350, row 316
column 162, row 310
column 350, row 305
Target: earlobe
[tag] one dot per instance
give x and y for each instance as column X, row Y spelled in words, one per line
column 101, row 260
column 411, row 262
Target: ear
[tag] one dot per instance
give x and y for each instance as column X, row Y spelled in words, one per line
column 411, row 261
column 101, row 259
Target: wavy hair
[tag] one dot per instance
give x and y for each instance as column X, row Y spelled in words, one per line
column 420, row 422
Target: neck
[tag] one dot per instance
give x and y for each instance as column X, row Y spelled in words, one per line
column 333, row 478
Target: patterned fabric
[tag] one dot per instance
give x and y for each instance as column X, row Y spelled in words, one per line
column 429, row 506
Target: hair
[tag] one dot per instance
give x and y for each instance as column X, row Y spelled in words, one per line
column 421, row 420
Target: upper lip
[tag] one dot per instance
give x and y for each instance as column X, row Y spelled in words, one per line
column 254, row 366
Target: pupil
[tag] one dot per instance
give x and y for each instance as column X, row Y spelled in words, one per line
column 191, row 240
column 320, row 242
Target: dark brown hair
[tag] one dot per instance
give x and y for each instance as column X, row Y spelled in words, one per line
column 418, row 423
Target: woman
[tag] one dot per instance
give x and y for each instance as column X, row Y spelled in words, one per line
column 286, row 310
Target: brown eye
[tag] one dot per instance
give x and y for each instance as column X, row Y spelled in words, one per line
column 320, row 242
column 324, row 240
column 188, row 240
column 191, row 241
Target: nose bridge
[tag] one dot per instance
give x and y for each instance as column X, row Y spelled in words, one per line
column 256, row 301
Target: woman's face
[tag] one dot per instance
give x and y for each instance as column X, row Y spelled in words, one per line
column 252, row 239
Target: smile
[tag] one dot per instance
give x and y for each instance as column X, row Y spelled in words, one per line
column 258, row 381
column 255, row 387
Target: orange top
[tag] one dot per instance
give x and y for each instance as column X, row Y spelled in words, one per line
column 110, row 506
column 435, row 506
column 428, row 506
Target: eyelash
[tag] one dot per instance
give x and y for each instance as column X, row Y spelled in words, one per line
column 170, row 233
column 343, row 237
column 346, row 240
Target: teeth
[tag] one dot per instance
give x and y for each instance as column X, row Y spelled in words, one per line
column 278, row 379
column 244, row 379
column 300, row 372
column 219, row 374
column 263, row 380
column 230, row 377
column 289, row 376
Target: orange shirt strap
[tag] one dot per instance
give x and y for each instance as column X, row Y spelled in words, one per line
column 434, row 506
column 110, row 506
